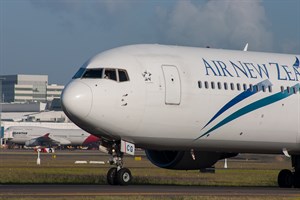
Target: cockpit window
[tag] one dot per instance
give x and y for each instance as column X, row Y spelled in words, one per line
column 93, row 73
column 79, row 73
column 119, row 75
column 110, row 74
column 123, row 76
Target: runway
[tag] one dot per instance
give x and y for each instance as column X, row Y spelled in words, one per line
column 36, row 191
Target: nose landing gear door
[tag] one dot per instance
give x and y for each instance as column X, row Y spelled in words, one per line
column 172, row 85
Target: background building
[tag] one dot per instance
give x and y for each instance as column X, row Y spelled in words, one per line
column 54, row 91
column 29, row 88
column 28, row 100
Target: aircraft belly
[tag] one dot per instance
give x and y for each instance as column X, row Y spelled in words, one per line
column 76, row 140
column 19, row 140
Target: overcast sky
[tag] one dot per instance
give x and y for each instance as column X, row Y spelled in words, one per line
column 56, row 37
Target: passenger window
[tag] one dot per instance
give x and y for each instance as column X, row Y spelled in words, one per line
column 219, row 86
column 282, row 89
column 255, row 87
column 212, row 85
column 244, row 87
column 251, row 87
column 199, row 84
column 270, row 88
column 238, row 87
column 225, row 86
column 206, row 84
column 123, row 76
column 263, row 88
column 93, row 73
column 232, row 86
column 288, row 90
column 110, row 74
column 294, row 90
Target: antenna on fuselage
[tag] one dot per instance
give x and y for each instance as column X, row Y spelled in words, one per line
column 246, row 47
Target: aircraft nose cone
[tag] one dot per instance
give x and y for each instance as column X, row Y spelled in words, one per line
column 76, row 99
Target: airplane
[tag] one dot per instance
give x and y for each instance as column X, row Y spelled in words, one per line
column 33, row 136
column 188, row 107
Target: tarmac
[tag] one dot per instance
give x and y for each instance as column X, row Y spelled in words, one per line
column 36, row 191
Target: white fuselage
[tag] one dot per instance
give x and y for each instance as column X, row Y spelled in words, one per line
column 180, row 98
column 22, row 134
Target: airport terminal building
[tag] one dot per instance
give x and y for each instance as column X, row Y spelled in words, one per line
column 29, row 88
column 29, row 100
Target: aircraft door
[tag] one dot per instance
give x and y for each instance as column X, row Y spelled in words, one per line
column 172, row 85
